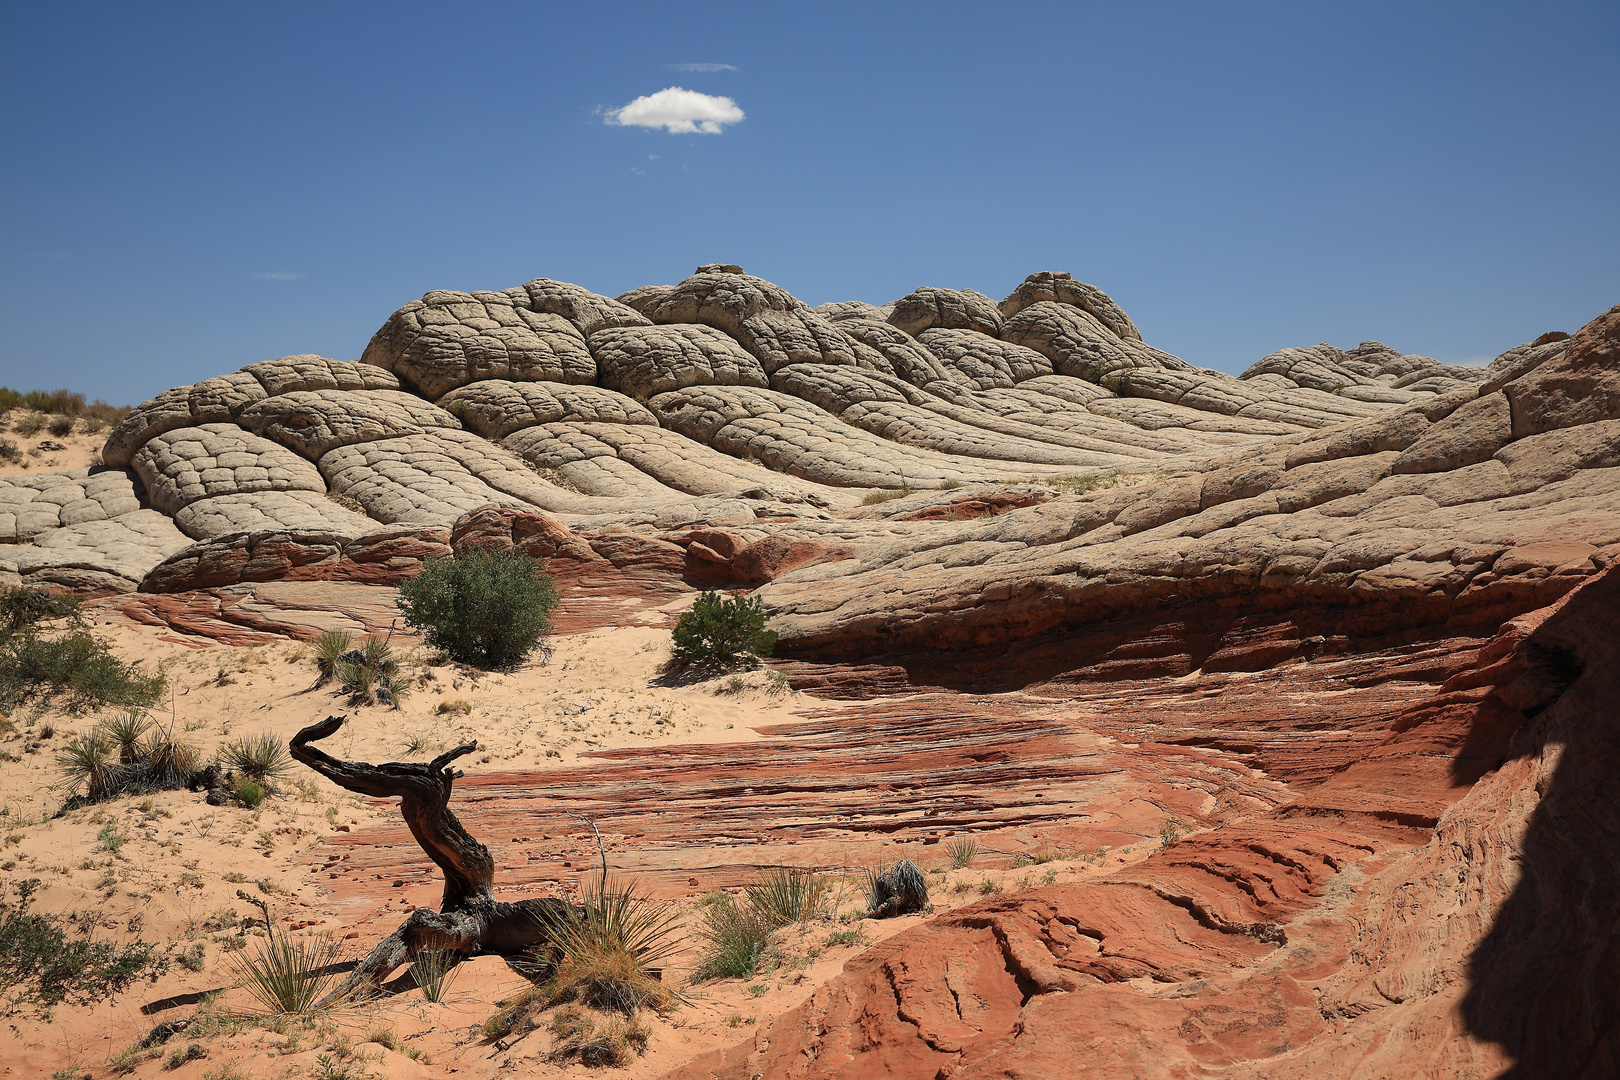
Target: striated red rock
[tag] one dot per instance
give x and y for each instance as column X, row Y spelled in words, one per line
column 1441, row 905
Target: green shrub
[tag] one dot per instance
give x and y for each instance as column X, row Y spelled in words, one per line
column 73, row 665
column 50, row 966
column 487, row 608
column 61, row 425
column 30, row 425
column 737, row 941
column 20, row 608
column 722, row 633
column 249, row 792
column 788, row 894
column 9, row 451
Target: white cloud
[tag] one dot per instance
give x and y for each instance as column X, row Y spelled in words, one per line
column 277, row 275
column 706, row 68
column 679, row 112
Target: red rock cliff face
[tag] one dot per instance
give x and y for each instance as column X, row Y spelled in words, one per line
column 1443, row 905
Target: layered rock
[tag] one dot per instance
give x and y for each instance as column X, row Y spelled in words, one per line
column 723, row 399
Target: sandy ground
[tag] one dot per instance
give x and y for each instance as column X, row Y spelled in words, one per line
column 45, row 452
column 171, row 870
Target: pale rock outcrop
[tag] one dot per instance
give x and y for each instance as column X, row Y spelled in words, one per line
column 645, row 360
column 496, row 408
column 950, row 309
column 449, row 339
column 179, row 467
column 1063, row 289
column 313, row 422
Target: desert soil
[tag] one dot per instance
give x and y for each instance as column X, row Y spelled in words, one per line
column 45, row 452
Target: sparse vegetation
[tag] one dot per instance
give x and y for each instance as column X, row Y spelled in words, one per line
column 487, row 608
column 42, row 964
column 604, row 954
column 961, row 850
column 61, row 425
column 261, row 757
column 287, row 976
column 60, row 402
column 883, row 495
column 71, row 669
column 1169, row 832
column 249, row 792
column 721, row 633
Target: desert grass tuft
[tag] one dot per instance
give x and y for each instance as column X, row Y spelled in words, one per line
column 594, row 1042
column 788, row 894
column 962, row 851
column 434, row 971
column 883, row 495
column 737, row 940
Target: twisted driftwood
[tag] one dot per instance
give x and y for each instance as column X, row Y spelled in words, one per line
column 470, row 920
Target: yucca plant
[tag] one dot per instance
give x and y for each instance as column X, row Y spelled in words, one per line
column 329, row 647
column 286, row 975
column 434, row 969
column 167, row 762
column 787, row 894
column 125, row 733
column 262, row 757
column 606, row 948
column 371, row 673
column 961, row 850
column 86, row 763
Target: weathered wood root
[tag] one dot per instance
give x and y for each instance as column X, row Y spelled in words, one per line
column 470, row 920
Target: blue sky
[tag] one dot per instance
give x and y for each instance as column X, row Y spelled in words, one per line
column 187, row 189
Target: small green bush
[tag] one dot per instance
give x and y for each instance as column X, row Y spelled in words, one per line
column 74, row 666
column 9, row 451
column 30, row 425
column 40, row 963
column 288, row 976
column 737, row 941
column 21, row 608
column 61, row 425
column 487, row 608
column 719, row 634
column 249, row 792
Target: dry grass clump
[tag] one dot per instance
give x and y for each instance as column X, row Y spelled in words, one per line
column 883, row 495
column 604, row 955
column 594, row 1041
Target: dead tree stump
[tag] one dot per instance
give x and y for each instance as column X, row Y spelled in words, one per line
column 470, row 921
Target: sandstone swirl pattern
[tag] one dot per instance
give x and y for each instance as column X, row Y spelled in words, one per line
column 722, row 401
